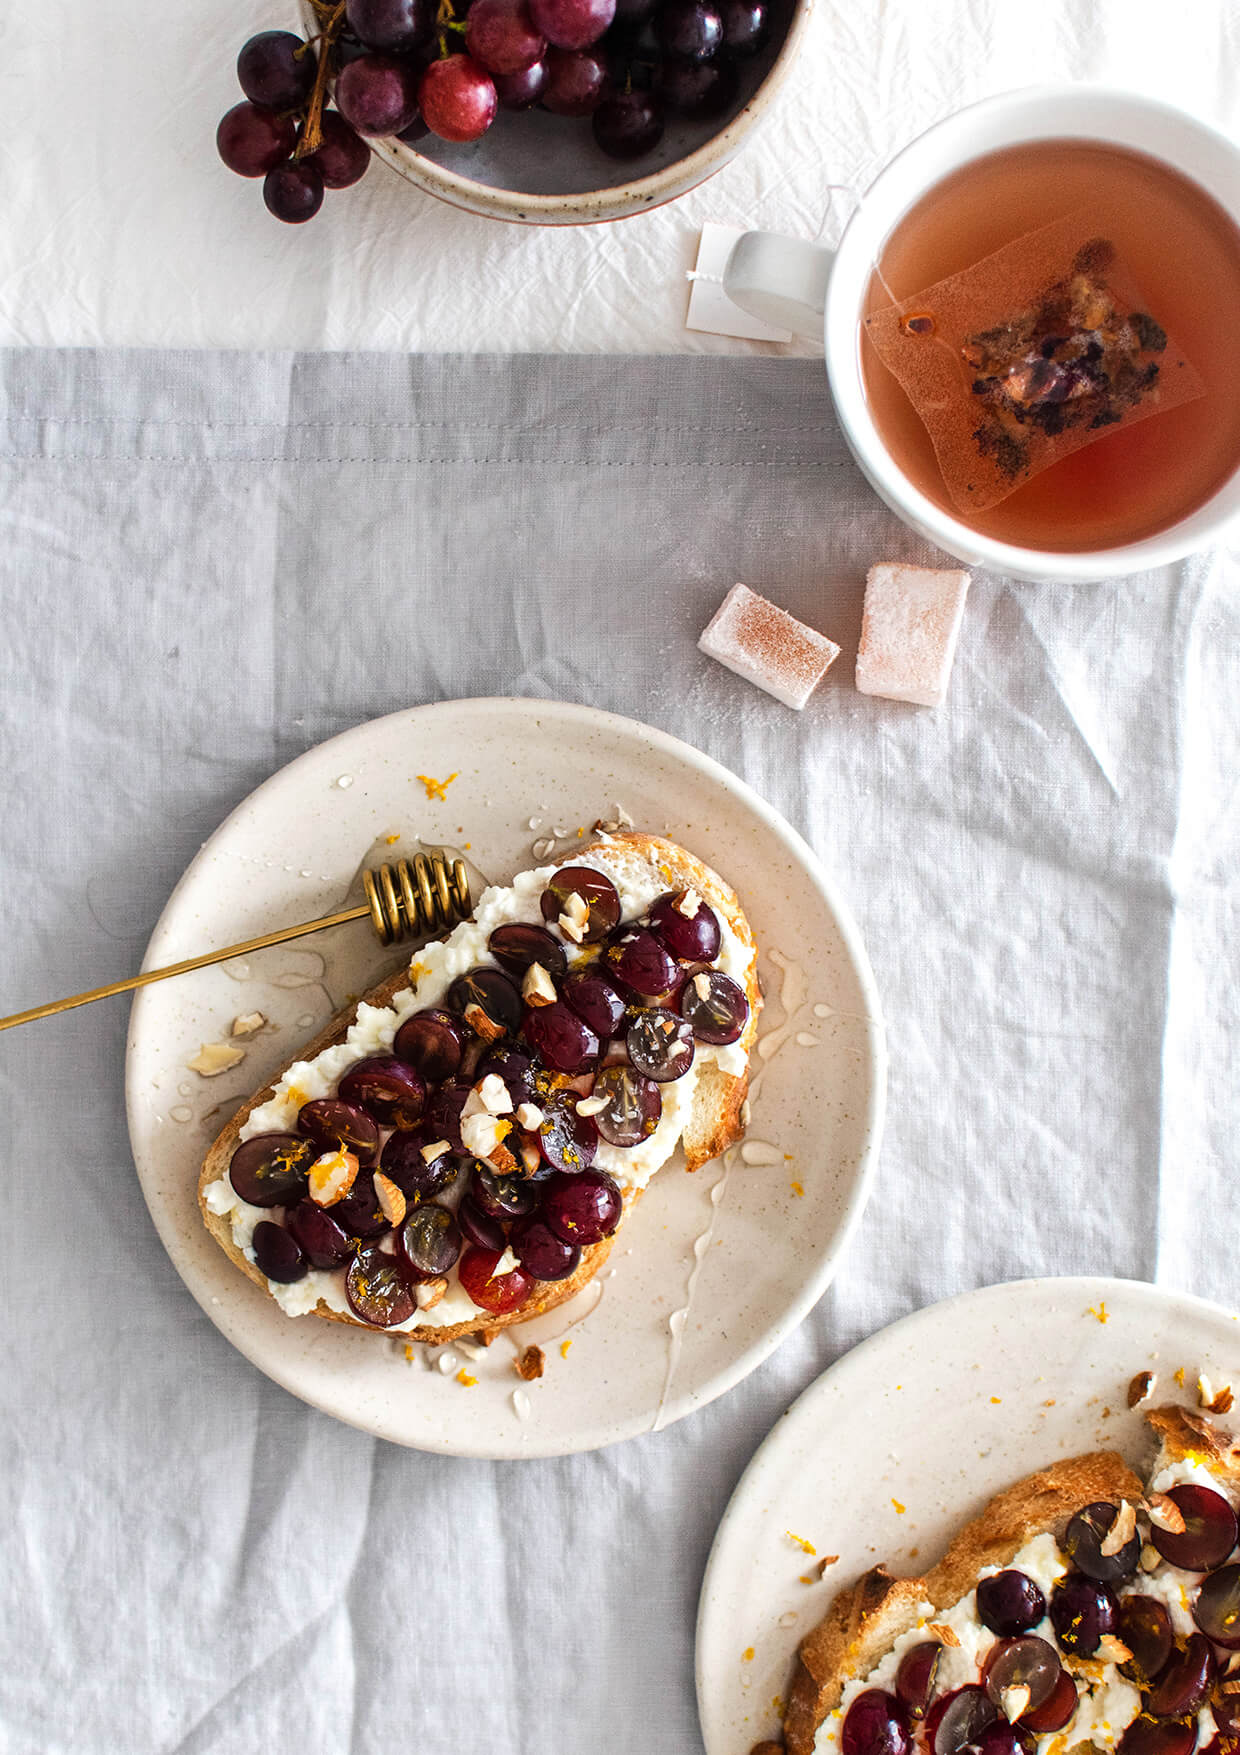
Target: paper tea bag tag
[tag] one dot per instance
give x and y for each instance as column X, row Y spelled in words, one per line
column 1034, row 352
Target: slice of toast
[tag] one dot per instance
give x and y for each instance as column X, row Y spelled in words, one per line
column 713, row 1122
column 865, row 1619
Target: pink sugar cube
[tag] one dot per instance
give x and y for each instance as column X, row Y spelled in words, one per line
column 767, row 646
column 908, row 632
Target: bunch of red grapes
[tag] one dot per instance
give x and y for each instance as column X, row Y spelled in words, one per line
column 406, row 68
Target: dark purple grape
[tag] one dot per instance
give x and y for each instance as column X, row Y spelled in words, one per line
column 396, row 26
column 521, row 91
column 1185, row 1682
column 633, row 1107
column 1054, row 1714
column 417, row 1177
column 457, row 98
column 501, row 35
column 349, row 48
column 333, row 1125
column 917, row 1677
column 695, row 937
column 516, row 946
column 572, row 24
column 1209, row 1533
column 1025, row 1662
column 1009, row 1603
column 375, row 1289
column 631, row 15
column 428, row 1243
column 359, row 1213
column 442, row 1120
column 714, row 1007
column 386, row 1088
column 960, row 1719
column 700, row 91
column 276, row 69
column 560, row 1037
column 628, row 125
column 377, row 94
column 660, row 1045
column 516, row 1070
column 636, row 958
column 489, row 1001
column 252, row 141
column 567, row 1141
column 1083, row 1540
column 343, row 157
column 1225, row 1709
column 875, row 1724
column 1149, row 1736
column 293, row 192
column 1145, row 1628
column 277, row 1253
column 270, row 1169
column 1002, row 1738
column 431, row 1041
column 477, row 1227
column 569, row 74
column 1216, row 1608
column 541, row 1252
column 323, row 1242
column 584, row 1208
column 745, row 26
column 1081, row 1611
column 688, row 30
column 594, row 1000
column 501, row 1197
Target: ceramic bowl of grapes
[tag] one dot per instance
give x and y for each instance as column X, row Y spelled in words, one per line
column 544, row 112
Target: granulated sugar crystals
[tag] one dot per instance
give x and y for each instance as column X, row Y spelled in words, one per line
column 767, row 646
column 908, row 632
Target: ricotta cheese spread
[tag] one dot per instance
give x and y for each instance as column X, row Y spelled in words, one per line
column 432, row 970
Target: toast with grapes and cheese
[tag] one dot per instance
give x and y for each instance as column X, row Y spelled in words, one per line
column 454, row 1153
column 1081, row 1609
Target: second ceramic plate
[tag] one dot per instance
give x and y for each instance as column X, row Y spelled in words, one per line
column 904, row 1438
column 712, row 1270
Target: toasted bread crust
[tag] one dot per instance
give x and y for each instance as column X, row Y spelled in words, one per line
column 1184, row 1433
column 714, row 1124
column 866, row 1618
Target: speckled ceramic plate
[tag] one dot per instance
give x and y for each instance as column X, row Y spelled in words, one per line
column 754, row 1241
column 901, row 1441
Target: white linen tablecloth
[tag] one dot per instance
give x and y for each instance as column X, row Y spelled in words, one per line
column 120, row 227
column 209, row 562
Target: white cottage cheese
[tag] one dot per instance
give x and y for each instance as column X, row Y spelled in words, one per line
column 432, row 971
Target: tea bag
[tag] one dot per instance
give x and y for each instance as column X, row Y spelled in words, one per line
column 1034, row 352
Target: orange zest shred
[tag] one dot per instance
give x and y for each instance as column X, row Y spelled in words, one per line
column 438, row 788
column 463, row 1378
column 802, row 1544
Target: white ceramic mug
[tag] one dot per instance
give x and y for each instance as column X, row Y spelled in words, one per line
column 801, row 287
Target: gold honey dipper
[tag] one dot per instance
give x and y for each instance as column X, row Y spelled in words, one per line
column 412, row 896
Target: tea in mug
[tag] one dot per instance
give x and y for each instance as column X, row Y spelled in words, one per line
column 1060, row 323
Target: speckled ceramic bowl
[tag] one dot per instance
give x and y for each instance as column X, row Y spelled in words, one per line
column 537, row 169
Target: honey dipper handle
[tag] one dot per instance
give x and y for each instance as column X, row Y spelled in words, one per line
column 183, row 968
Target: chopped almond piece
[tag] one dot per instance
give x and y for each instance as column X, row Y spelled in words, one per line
column 945, row 1635
column 427, row 1293
column 1121, row 1531
column 1165, row 1514
column 214, row 1058
column 392, row 1202
column 530, row 1363
column 1140, row 1388
column 331, row 1177
column 481, row 1025
column 538, row 988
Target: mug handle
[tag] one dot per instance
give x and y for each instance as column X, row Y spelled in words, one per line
column 782, row 281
